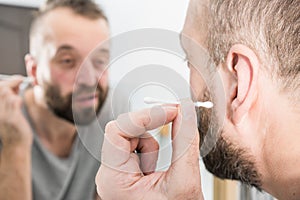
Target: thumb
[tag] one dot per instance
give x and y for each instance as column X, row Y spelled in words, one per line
column 185, row 136
column 185, row 142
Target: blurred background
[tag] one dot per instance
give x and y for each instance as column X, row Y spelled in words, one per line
column 124, row 16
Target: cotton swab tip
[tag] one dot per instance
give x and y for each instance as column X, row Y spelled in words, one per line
column 150, row 100
column 206, row 104
column 7, row 77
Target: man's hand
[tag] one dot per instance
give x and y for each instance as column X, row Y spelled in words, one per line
column 14, row 129
column 16, row 140
column 126, row 175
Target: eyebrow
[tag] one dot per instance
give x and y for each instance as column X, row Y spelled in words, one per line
column 65, row 47
column 103, row 51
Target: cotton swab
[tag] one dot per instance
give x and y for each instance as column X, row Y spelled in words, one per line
column 150, row 100
column 25, row 80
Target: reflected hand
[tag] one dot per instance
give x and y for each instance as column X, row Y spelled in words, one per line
column 14, row 129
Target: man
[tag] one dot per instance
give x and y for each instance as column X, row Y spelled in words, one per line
column 255, row 47
column 41, row 154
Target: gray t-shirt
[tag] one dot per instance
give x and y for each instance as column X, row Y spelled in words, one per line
column 72, row 178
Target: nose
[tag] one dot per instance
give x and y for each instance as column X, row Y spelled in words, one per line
column 87, row 75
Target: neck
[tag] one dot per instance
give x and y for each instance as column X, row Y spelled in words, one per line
column 283, row 160
column 56, row 134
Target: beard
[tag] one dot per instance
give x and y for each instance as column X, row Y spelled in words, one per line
column 221, row 157
column 62, row 106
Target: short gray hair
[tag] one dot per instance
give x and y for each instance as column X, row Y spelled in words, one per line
column 271, row 28
column 84, row 8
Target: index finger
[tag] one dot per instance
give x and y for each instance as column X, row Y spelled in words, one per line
column 135, row 124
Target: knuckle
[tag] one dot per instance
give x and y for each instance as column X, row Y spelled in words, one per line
column 144, row 120
column 111, row 127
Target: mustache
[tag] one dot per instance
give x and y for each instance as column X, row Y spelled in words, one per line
column 84, row 89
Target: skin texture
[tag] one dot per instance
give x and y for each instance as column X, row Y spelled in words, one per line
column 58, row 70
column 258, row 117
column 255, row 122
column 129, row 176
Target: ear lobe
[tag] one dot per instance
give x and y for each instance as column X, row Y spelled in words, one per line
column 31, row 66
column 243, row 63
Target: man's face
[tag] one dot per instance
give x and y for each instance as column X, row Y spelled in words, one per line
column 71, row 66
column 62, row 106
column 227, row 157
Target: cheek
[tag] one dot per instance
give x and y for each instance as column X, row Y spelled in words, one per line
column 198, row 84
column 65, row 80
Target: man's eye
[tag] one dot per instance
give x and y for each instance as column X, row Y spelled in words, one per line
column 68, row 62
column 99, row 63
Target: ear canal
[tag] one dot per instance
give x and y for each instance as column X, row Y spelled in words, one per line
column 234, row 60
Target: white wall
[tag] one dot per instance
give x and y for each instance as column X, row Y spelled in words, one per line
column 133, row 14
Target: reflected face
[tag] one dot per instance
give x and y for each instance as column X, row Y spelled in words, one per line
column 72, row 65
column 225, row 158
column 63, row 107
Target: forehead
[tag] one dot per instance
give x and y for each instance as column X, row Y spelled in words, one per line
column 196, row 22
column 63, row 27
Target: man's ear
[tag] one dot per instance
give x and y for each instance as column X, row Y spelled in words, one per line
column 243, row 63
column 31, row 66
